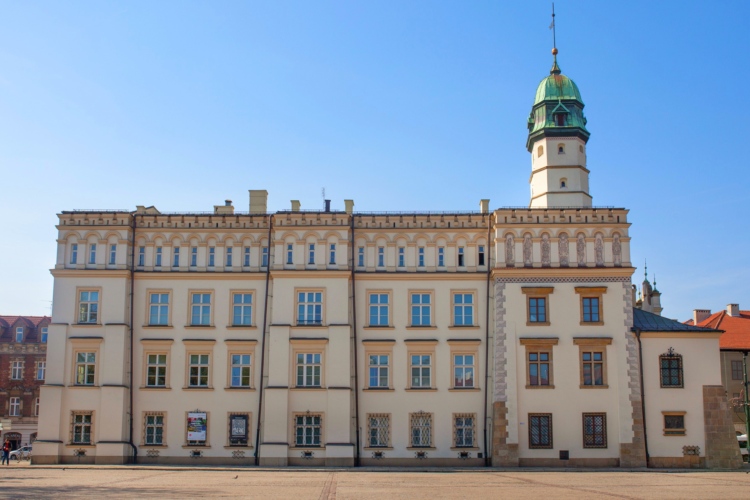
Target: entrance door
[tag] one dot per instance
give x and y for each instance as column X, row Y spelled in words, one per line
column 15, row 440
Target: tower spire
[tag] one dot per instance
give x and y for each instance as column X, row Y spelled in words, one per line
column 555, row 68
column 645, row 270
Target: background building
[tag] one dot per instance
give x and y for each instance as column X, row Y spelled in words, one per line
column 23, row 365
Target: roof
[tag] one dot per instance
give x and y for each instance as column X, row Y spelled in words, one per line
column 557, row 87
column 650, row 322
column 736, row 329
column 10, row 320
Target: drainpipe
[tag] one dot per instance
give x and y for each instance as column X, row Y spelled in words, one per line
column 132, row 299
column 487, row 461
column 643, row 396
column 356, row 347
column 263, row 341
column 746, row 404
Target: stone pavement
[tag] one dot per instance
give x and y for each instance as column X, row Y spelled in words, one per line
column 25, row 481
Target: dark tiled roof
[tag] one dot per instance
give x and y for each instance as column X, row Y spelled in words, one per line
column 650, row 322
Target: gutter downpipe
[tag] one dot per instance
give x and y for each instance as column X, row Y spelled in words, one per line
column 487, row 461
column 132, row 300
column 643, row 396
column 356, row 349
column 263, row 341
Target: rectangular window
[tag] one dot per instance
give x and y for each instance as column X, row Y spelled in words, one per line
column 246, row 261
column 361, row 256
column 671, row 370
column 460, row 256
column 421, row 370
column 82, row 428
column 198, row 371
column 154, row 435
column 737, row 370
column 463, row 430
column 590, row 309
column 16, row 371
column 201, row 309
column 85, row 368
column 44, row 335
column 381, row 257
column 332, row 254
column 463, row 309
column 158, row 256
column 401, row 259
column 481, row 255
column 674, row 423
column 420, row 256
column 378, row 430
column 112, row 254
column 463, row 371
column 156, row 370
column 311, row 253
column 229, row 256
column 240, row 370
column 379, row 371
column 176, row 257
column 592, row 366
column 421, row 309
column 539, row 368
column 92, row 253
column 594, row 430
column 211, row 256
column 41, row 370
column 540, row 430
column 537, row 310
column 74, row 253
column 308, row 369
column 141, row 256
column 88, row 306
column 379, row 309
column 242, row 309
column 421, row 430
column 441, row 257
column 290, row 253
column 193, row 256
column 19, row 334
column 238, row 429
column 264, row 259
column 158, row 313
column 307, row 430
column 309, row 308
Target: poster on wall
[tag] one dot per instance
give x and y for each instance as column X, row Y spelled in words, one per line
column 238, row 427
column 196, row 426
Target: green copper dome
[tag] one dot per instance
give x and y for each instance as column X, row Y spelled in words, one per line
column 557, row 110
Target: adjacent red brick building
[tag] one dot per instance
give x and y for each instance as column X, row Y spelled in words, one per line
column 23, row 366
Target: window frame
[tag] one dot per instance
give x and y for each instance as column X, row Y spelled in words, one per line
column 368, row 443
column 461, row 257
column 380, row 257
column 85, row 364
column 240, row 348
column 389, row 294
column 211, row 257
column 307, row 346
column 592, row 292
column 740, row 371
column 593, row 435
column 228, row 256
column 74, row 253
column 593, row 345
column 540, row 446
column 320, row 425
column 149, row 304
column 332, row 254
column 191, row 294
column 44, row 334
column 248, row 430
column 189, row 365
column 87, row 345
column 79, row 302
column 41, row 368
column 473, row 294
column 303, row 323
column 147, row 365
column 537, row 292
column 175, row 257
column 19, row 331
column 454, row 419
column 673, row 431
column 401, row 257
column 540, row 345
column 411, row 294
column 421, row 348
column 377, row 347
column 311, row 247
column 145, row 425
column 89, row 424
column 17, row 406
column 92, row 254
column 464, row 348
column 441, row 257
column 158, row 255
column 671, row 354
column 232, row 305
column 431, row 419
column 421, row 252
column 16, row 365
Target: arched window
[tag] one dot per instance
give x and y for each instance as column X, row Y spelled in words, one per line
column 563, row 183
column 670, row 368
column 539, row 151
column 561, row 149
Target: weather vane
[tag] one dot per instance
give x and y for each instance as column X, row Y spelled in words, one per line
column 552, row 27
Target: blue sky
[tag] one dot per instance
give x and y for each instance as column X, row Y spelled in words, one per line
column 418, row 105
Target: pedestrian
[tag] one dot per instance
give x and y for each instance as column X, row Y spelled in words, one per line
column 6, row 453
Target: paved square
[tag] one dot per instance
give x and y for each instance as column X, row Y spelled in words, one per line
column 19, row 481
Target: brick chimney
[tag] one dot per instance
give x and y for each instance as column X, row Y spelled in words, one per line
column 700, row 315
column 733, row 310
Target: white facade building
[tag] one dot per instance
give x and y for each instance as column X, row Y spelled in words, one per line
column 501, row 337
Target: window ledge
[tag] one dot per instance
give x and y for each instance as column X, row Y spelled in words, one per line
column 604, row 386
column 87, row 325
column 154, row 388
column 197, row 388
column 537, row 323
column 420, row 389
column 238, row 446
column 312, row 388
column 379, row 389
column 464, row 389
column 200, row 327
column 592, row 323
column 540, row 386
column 310, row 447
column 157, row 327
column 421, row 327
column 378, row 448
column 248, row 389
column 464, row 448
column 163, row 445
column 464, row 327
column 420, row 448
column 195, row 446
column 675, row 433
column 242, row 327
column 76, row 386
column 309, row 325
column 80, row 445
column 378, row 327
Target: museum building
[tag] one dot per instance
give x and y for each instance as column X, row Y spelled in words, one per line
column 502, row 337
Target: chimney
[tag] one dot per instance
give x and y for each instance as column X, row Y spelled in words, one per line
column 733, row 310
column 484, row 206
column 226, row 208
column 349, row 206
column 258, row 201
column 328, row 205
column 296, row 205
column 700, row 315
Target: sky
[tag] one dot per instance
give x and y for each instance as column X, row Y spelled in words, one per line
column 418, row 105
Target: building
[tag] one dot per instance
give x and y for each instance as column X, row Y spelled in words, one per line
column 23, row 365
column 335, row 337
column 734, row 343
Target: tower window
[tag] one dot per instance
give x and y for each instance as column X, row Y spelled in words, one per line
column 561, row 149
column 563, row 183
column 580, row 148
column 539, row 151
column 560, row 119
